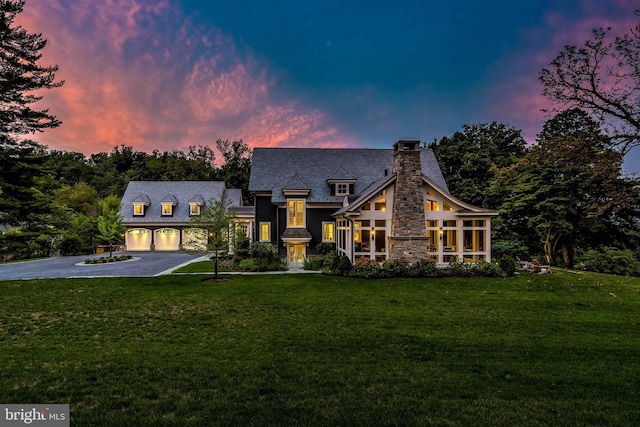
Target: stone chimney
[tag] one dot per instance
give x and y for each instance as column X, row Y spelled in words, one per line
column 408, row 239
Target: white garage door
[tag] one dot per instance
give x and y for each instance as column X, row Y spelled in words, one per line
column 167, row 239
column 138, row 239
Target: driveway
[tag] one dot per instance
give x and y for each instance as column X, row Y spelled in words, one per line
column 144, row 264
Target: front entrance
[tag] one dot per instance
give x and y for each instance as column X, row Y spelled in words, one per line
column 296, row 253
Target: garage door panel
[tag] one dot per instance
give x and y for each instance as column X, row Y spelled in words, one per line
column 138, row 239
column 167, row 239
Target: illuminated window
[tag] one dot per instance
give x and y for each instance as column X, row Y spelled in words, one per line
column 295, row 213
column 138, row 209
column 446, row 207
column 167, row 209
column 327, row 232
column 194, row 209
column 265, row 232
column 433, row 205
column 380, row 205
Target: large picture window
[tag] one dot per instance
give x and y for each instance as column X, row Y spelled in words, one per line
column 295, row 213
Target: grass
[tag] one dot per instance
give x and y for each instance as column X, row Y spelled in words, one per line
column 200, row 267
column 559, row 349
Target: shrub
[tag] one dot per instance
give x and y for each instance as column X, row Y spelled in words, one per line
column 340, row 265
column 395, row 268
column 366, row 269
column 248, row 264
column 263, row 252
column 325, row 248
column 489, row 269
column 314, row 263
column 611, row 261
column 507, row 264
column 423, row 268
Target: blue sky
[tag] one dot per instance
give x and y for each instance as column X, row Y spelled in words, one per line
column 173, row 73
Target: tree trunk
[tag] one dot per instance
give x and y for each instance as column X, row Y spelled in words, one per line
column 567, row 255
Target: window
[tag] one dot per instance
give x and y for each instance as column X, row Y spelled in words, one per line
column 327, row 232
column 432, row 205
column 265, row 231
column 138, row 209
column 380, row 205
column 167, row 209
column 194, row 209
column 295, row 213
column 342, row 189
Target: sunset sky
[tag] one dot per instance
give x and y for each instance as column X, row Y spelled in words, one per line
column 164, row 74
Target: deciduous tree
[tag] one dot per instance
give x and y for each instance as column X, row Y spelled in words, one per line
column 601, row 77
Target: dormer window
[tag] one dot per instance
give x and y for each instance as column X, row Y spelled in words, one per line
column 167, row 204
column 138, row 209
column 167, row 209
column 195, row 204
column 194, row 209
column 342, row 189
column 140, row 204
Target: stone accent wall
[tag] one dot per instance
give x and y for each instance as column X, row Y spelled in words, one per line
column 408, row 239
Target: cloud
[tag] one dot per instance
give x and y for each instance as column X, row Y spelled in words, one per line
column 142, row 73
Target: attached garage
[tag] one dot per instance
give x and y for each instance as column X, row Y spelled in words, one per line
column 138, row 239
column 167, row 239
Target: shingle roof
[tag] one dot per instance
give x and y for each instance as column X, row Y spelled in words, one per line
column 272, row 168
column 178, row 192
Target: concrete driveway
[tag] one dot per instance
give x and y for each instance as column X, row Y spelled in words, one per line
column 145, row 264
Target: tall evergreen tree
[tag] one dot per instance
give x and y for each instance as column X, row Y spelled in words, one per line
column 20, row 75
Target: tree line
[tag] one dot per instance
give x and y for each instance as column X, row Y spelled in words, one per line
column 563, row 198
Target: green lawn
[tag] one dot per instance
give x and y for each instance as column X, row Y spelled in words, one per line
column 561, row 349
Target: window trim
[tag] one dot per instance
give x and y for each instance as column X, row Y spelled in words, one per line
column 333, row 231
column 142, row 209
column 162, row 209
column 268, row 232
column 304, row 213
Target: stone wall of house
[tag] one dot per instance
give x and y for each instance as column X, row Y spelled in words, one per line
column 408, row 239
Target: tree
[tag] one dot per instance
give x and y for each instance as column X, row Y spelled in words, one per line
column 20, row 75
column 237, row 164
column 470, row 159
column 110, row 223
column 217, row 219
column 603, row 78
column 566, row 190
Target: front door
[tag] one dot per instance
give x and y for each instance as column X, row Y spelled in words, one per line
column 297, row 253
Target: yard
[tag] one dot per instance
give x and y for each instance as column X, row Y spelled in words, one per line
column 560, row 349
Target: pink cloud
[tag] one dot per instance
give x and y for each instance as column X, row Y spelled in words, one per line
column 522, row 91
column 140, row 73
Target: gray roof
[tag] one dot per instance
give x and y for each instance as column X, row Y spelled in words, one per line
column 272, row 168
column 178, row 192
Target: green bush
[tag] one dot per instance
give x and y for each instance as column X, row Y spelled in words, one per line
column 325, row 248
column 314, row 262
column 366, row 269
column 264, row 252
column 610, row 260
column 507, row 264
column 424, row 269
column 248, row 264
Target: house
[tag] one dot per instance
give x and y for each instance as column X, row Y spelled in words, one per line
column 157, row 214
column 372, row 203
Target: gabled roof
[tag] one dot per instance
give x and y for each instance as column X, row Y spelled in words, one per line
column 169, row 198
column 154, row 193
column 373, row 189
column 273, row 168
column 296, row 183
column 197, row 199
column 341, row 174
